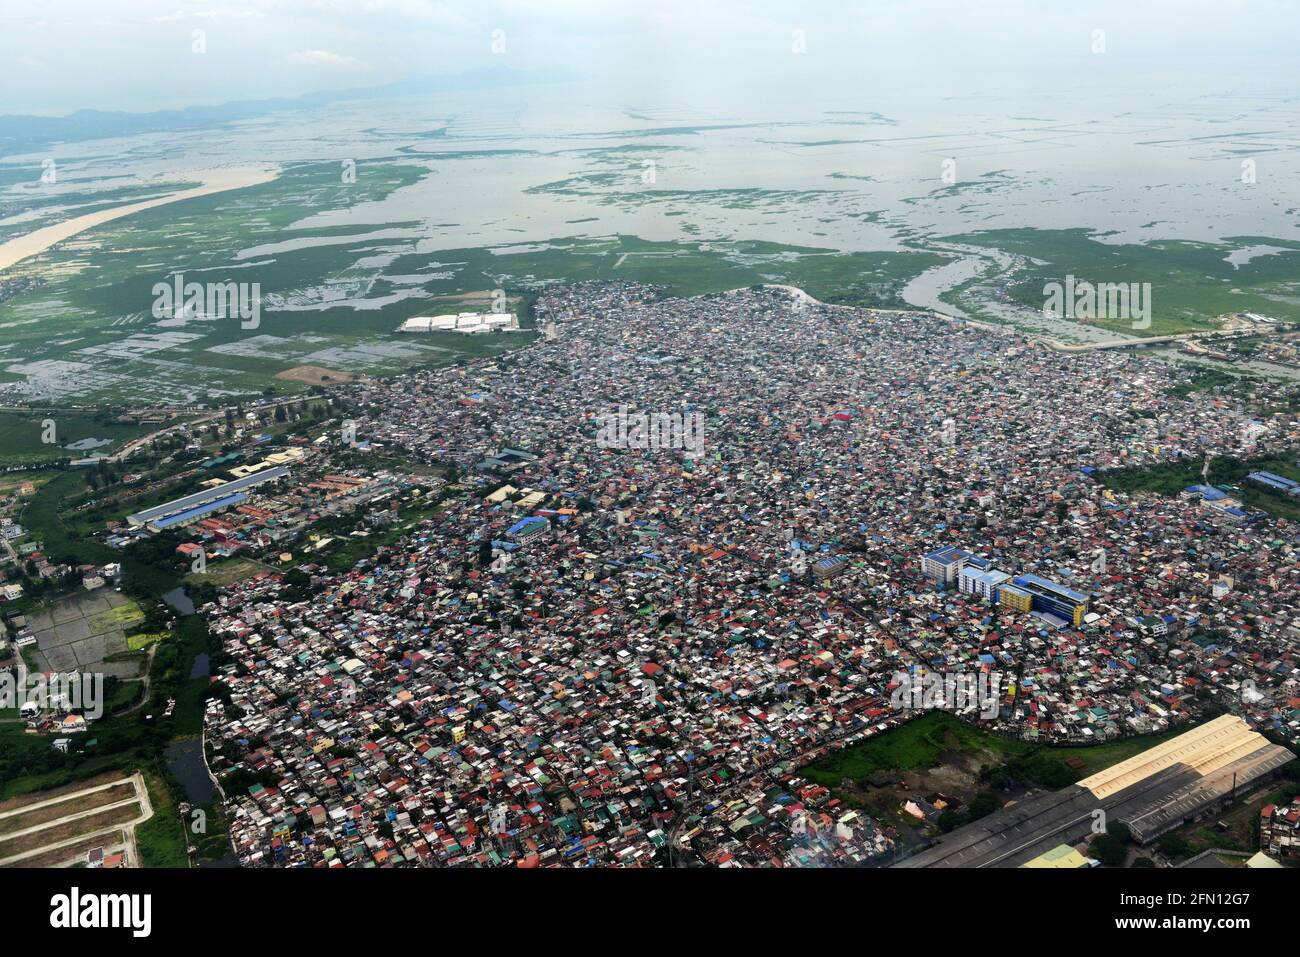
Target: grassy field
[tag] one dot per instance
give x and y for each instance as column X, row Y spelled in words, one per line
column 42, row 519
column 915, row 745
column 225, row 572
column 1191, row 283
column 126, row 615
column 21, row 436
column 921, row 744
column 161, row 839
column 142, row 640
column 1096, row 757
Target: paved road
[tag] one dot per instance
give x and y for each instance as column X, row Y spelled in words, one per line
column 141, row 798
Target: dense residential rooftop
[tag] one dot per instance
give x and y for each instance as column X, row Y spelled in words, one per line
column 624, row 656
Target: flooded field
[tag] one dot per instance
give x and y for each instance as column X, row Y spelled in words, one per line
column 365, row 213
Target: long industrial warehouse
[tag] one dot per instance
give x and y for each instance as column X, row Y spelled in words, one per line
column 196, row 502
column 1152, row 792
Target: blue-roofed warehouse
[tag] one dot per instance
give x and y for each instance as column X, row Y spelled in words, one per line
column 188, row 504
column 192, row 514
column 1278, row 483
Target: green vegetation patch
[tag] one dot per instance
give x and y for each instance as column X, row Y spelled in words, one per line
column 1171, row 478
column 227, row 572
column 161, row 838
column 22, row 436
column 126, row 615
column 1192, row 284
column 917, row 745
column 144, row 639
column 922, row 743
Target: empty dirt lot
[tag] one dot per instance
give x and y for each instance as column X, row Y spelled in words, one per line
column 120, row 791
column 57, row 828
column 314, row 375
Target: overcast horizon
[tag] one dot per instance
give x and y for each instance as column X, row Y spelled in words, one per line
column 145, row 55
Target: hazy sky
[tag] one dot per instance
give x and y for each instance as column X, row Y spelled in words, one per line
column 61, row 55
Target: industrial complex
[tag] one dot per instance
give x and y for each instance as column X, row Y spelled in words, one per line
column 190, row 508
column 1153, row 792
column 466, row 323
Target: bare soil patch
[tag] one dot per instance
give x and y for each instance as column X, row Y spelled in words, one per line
column 52, row 812
column 314, row 375
column 36, row 797
column 70, row 829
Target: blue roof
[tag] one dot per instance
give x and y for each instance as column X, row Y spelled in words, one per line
column 189, row 502
column 1051, row 586
column 1274, row 480
column 524, row 523
column 200, row 510
column 948, row 554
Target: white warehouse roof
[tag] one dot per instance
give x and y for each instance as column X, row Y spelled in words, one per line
column 460, row 322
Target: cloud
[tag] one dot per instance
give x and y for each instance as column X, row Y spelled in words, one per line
column 442, row 13
column 324, row 58
column 227, row 14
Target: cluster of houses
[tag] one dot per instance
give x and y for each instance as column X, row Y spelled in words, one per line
column 597, row 655
column 1279, row 831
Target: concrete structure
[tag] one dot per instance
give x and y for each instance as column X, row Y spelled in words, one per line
column 198, row 512
column 1275, row 483
column 830, row 567
column 982, row 584
column 1153, row 792
column 944, row 564
column 195, row 506
column 1014, row 598
column 1279, row 831
column 1053, row 598
column 468, row 323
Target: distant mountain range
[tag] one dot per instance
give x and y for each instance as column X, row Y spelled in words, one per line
column 21, row 134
